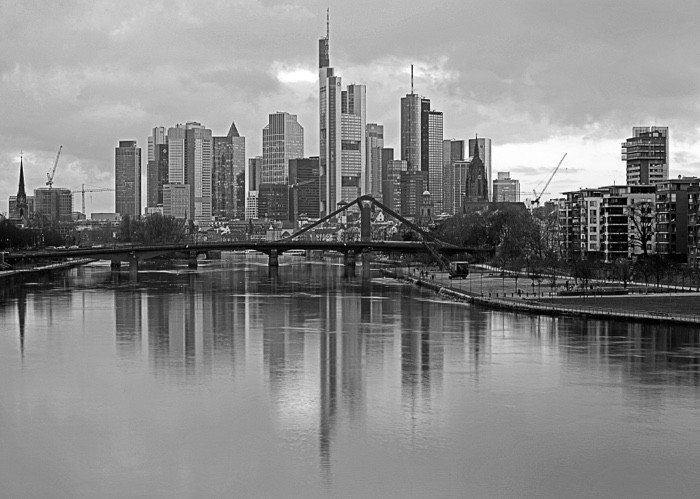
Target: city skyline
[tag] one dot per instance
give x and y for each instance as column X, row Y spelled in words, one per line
column 539, row 82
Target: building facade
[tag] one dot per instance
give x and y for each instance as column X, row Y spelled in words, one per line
column 506, row 189
column 176, row 200
column 646, row 155
column 435, row 160
column 228, row 168
column 674, row 206
column 53, row 204
column 190, row 161
column 127, row 178
column 452, row 151
column 413, row 185
column 282, row 139
column 305, row 188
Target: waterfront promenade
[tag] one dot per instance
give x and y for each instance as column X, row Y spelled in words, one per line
column 487, row 287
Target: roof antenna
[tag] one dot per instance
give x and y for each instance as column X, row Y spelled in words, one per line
column 328, row 23
column 411, row 79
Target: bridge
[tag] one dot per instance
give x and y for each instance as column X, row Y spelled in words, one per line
column 135, row 253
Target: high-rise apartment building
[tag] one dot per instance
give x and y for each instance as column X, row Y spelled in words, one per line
column 282, row 139
column 646, row 155
column 342, row 138
column 127, row 178
column 506, row 189
column 228, row 167
column 485, row 156
column 375, row 144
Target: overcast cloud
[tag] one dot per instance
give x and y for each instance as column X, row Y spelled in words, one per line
column 540, row 78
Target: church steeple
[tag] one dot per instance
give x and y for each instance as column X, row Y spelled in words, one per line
column 20, row 190
column 21, row 210
column 476, row 147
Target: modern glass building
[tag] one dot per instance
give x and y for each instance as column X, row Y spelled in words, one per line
column 127, row 178
column 282, row 139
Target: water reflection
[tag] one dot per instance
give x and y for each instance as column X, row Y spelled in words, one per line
column 336, row 356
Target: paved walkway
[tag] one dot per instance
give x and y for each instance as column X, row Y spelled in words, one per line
column 487, row 287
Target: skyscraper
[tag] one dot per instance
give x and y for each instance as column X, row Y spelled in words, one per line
column 282, row 139
column 304, row 188
column 190, row 151
column 342, row 139
column 485, row 157
column 421, row 143
column 452, row 151
column 435, row 166
column 227, row 170
column 375, row 144
column 127, row 178
column 156, row 169
column 646, row 155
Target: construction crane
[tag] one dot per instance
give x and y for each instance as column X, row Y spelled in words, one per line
column 538, row 196
column 49, row 175
column 83, row 190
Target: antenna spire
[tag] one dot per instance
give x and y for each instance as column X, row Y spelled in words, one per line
column 328, row 23
column 411, row 79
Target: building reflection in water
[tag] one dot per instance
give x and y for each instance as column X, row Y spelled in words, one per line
column 336, row 351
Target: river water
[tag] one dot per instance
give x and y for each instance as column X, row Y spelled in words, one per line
column 232, row 381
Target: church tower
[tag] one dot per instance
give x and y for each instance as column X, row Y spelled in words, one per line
column 21, row 206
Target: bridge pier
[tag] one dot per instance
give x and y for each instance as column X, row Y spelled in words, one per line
column 192, row 260
column 273, row 259
column 349, row 259
column 133, row 264
column 115, row 265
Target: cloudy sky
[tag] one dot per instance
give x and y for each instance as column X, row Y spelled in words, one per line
column 539, row 77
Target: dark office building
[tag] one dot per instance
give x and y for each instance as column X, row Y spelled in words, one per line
column 413, row 185
column 305, row 189
column 157, row 176
column 273, row 201
column 127, row 178
column 227, row 169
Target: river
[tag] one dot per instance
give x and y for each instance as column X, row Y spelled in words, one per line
column 236, row 381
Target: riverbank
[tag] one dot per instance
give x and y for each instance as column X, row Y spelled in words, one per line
column 22, row 272
column 675, row 308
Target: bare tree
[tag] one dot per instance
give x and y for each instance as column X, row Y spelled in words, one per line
column 641, row 218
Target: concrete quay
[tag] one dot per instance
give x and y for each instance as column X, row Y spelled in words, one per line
column 24, row 272
column 667, row 308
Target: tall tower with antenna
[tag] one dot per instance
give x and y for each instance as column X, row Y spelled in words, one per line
column 342, row 138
